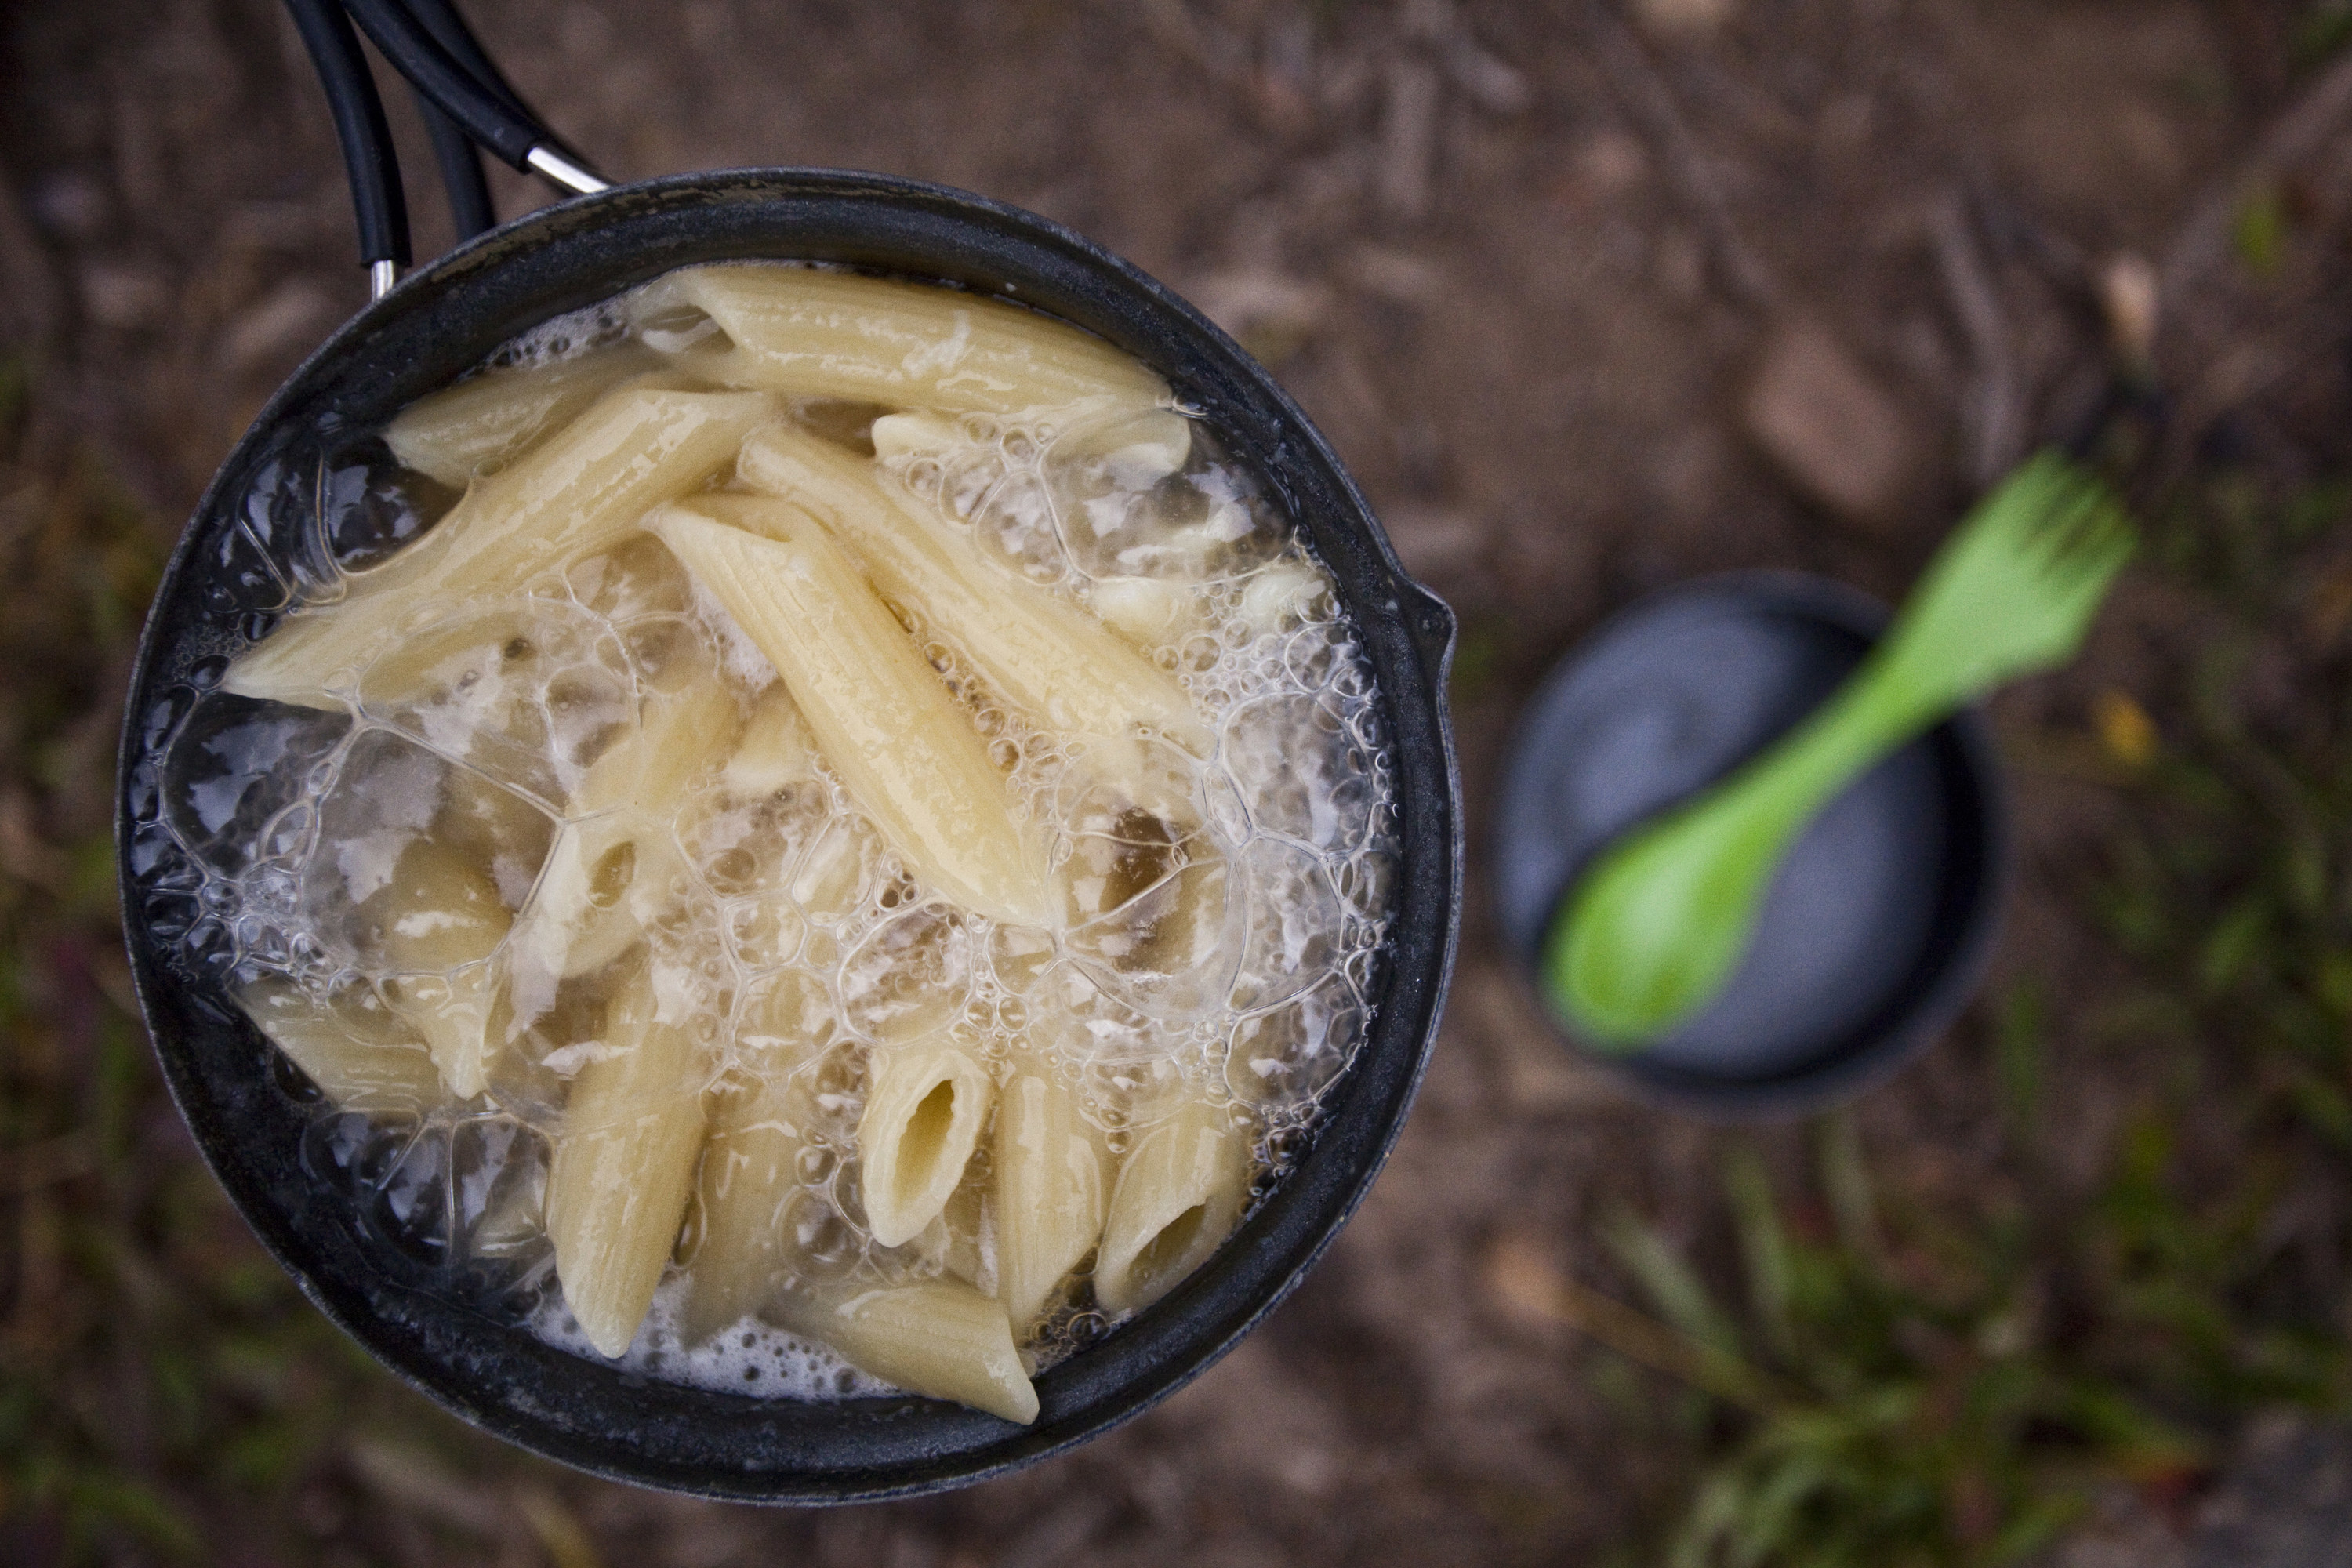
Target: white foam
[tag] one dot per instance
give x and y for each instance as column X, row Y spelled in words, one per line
column 565, row 337
column 748, row 1357
column 1292, row 804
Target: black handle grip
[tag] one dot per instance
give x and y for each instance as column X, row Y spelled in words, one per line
column 368, row 159
column 434, row 72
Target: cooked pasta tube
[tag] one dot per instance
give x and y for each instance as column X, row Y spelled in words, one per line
column 808, row 333
column 1148, row 612
column 774, row 752
column 746, row 1176
column 362, row 1055
column 493, row 418
column 1145, row 447
column 578, row 492
column 941, row 1338
column 970, row 1220
column 1179, row 1194
column 881, row 715
column 1283, row 595
column 604, row 880
column 623, row 1165
column 925, row 1104
column 675, row 738
column 1042, row 652
column 1049, row 1191
column 435, row 922
column 608, row 875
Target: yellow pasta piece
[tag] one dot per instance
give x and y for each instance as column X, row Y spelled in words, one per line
column 1041, row 651
column 743, row 1185
column 809, row 333
column 608, row 876
column 1148, row 612
column 1179, row 1194
column 1284, row 596
column 970, row 1222
column 604, row 880
column 623, row 1165
column 880, row 714
column 775, row 751
column 1049, row 1191
column 1144, row 446
column 675, row 738
column 361, row 1055
column 435, row 924
column 941, row 1338
column 577, row 493
column 925, row 1104
column 493, row 418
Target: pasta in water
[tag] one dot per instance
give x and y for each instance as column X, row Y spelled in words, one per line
column 846, row 858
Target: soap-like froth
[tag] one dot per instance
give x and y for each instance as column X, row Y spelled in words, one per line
column 1219, row 917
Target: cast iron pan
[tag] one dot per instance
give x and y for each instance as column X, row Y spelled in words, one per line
column 1878, row 924
column 216, row 597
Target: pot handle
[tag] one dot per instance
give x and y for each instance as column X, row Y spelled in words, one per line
column 467, row 102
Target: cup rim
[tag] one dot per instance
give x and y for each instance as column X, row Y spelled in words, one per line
column 1971, row 764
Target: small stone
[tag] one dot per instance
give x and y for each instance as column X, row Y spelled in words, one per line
column 1682, row 19
column 123, row 296
column 1268, row 313
column 294, row 314
column 1437, row 545
column 72, row 205
column 1408, row 145
column 1835, row 433
column 1397, row 276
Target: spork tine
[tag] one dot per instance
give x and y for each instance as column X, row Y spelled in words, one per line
column 1659, row 923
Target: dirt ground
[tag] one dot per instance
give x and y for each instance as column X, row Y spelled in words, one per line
column 1591, row 300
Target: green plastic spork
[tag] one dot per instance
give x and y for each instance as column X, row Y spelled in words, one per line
column 1653, row 931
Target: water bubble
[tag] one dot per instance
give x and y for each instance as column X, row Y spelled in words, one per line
column 1015, row 524
column 1288, row 1055
column 1292, row 924
column 1298, row 778
column 369, row 506
column 234, row 766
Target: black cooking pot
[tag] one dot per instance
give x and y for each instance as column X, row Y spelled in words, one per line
column 223, row 591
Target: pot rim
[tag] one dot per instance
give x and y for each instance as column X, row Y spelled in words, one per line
column 459, row 1358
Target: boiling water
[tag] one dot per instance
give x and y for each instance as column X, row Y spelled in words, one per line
column 1228, row 939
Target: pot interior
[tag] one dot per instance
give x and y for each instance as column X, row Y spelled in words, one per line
column 217, row 597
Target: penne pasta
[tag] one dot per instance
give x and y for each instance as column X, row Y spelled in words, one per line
column 880, row 714
column 1148, row 612
column 1179, row 1194
column 741, row 1190
column 1041, row 651
column 1284, row 595
column 675, row 738
column 1147, row 446
column 795, row 849
column 578, row 492
column 434, row 925
column 623, row 1165
column 1049, row 1191
column 774, row 752
column 489, row 419
column 970, row 1220
column 941, row 1338
column 926, row 1105
column 362, row 1055
column 810, row 334
column 608, row 876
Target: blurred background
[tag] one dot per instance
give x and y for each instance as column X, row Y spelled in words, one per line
column 1593, row 296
